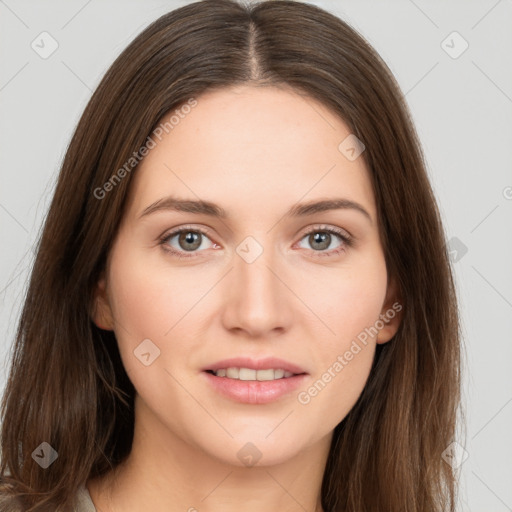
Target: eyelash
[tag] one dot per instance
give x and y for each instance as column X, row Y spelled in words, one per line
column 347, row 241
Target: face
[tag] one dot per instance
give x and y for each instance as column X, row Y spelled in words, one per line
column 187, row 288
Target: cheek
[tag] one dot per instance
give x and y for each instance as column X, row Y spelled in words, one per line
column 150, row 303
column 345, row 300
column 147, row 298
column 342, row 363
column 333, row 392
column 343, row 354
column 153, row 311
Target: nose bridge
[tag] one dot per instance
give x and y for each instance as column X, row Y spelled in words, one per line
column 254, row 260
column 257, row 297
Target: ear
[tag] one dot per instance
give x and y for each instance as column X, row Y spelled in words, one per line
column 102, row 313
column 391, row 313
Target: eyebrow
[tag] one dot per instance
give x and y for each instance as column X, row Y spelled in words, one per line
column 214, row 210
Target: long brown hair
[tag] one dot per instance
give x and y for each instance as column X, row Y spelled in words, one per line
column 67, row 385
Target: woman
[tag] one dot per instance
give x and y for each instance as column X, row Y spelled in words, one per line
column 241, row 296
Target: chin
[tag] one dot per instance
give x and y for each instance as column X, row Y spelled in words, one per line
column 251, row 448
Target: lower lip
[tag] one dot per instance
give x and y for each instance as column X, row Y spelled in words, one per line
column 254, row 391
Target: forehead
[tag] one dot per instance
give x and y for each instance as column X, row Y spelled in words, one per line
column 248, row 145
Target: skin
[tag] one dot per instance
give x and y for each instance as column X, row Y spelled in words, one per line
column 256, row 152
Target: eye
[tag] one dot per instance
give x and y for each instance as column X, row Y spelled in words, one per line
column 320, row 238
column 187, row 240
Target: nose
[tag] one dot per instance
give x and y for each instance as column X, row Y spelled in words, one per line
column 257, row 300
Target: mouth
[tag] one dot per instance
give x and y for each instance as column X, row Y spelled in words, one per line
column 245, row 368
column 250, row 374
column 254, row 381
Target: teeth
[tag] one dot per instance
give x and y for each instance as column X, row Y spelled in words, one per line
column 250, row 374
column 232, row 373
column 246, row 374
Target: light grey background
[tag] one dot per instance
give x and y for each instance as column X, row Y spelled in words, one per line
column 462, row 108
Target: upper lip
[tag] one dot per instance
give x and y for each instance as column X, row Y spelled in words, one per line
column 256, row 364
